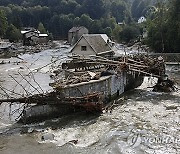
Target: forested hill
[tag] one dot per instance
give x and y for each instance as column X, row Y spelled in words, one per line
column 60, row 15
column 99, row 16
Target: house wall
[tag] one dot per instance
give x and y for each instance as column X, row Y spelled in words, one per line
column 109, row 85
column 29, row 34
column 73, row 37
column 70, row 36
column 81, row 32
column 77, row 48
column 43, row 40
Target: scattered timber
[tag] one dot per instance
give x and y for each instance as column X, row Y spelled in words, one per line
column 90, row 83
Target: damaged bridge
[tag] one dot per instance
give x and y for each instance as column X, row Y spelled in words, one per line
column 89, row 84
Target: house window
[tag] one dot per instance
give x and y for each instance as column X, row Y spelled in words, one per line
column 83, row 48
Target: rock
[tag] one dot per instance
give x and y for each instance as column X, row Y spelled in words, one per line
column 171, row 107
column 47, row 136
column 73, row 141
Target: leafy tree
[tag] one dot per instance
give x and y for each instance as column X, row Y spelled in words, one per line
column 96, row 27
column 118, row 11
column 41, row 28
column 85, row 20
column 173, row 27
column 17, row 22
column 129, row 32
column 94, row 9
column 116, row 31
column 13, row 34
column 164, row 29
column 76, row 21
column 138, row 9
column 108, row 31
column 3, row 23
column 65, row 24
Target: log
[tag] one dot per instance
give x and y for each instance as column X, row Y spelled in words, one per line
column 54, row 98
column 131, row 60
column 153, row 75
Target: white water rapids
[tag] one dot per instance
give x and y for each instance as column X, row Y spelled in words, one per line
column 142, row 122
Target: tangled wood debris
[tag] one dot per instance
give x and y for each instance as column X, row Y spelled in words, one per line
column 80, row 70
column 91, row 102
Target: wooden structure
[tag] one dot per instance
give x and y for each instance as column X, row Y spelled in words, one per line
column 90, row 83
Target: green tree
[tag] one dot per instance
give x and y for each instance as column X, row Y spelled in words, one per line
column 108, row 31
column 13, row 34
column 3, row 23
column 129, row 32
column 157, row 29
column 95, row 9
column 173, row 27
column 118, row 10
column 85, row 20
column 76, row 21
column 41, row 28
column 138, row 8
column 116, row 31
column 164, row 29
column 96, row 27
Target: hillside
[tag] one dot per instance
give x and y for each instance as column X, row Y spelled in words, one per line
column 99, row 16
column 58, row 16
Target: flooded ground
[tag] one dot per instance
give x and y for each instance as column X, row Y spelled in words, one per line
column 142, row 122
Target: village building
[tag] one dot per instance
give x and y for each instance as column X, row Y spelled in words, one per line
column 93, row 44
column 75, row 33
column 141, row 20
column 5, row 45
column 43, row 38
column 121, row 23
column 33, row 37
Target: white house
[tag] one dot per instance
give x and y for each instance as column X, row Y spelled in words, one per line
column 141, row 19
column 93, row 44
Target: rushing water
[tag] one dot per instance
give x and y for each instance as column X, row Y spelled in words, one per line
column 141, row 122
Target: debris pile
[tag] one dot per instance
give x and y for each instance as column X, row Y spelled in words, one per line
column 80, row 69
column 90, row 102
column 164, row 84
column 17, row 48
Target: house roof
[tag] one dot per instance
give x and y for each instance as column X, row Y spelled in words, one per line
column 43, row 35
column 98, row 42
column 75, row 29
column 27, row 31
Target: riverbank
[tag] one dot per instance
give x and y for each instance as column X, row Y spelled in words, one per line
column 15, row 49
column 168, row 57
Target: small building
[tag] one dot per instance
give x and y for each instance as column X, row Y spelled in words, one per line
column 141, row 20
column 5, row 46
column 33, row 37
column 121, row 23
column 43, row 38
column 75, row 33
column 93, row 44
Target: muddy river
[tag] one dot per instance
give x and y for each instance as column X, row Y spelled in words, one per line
column 142, row 122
